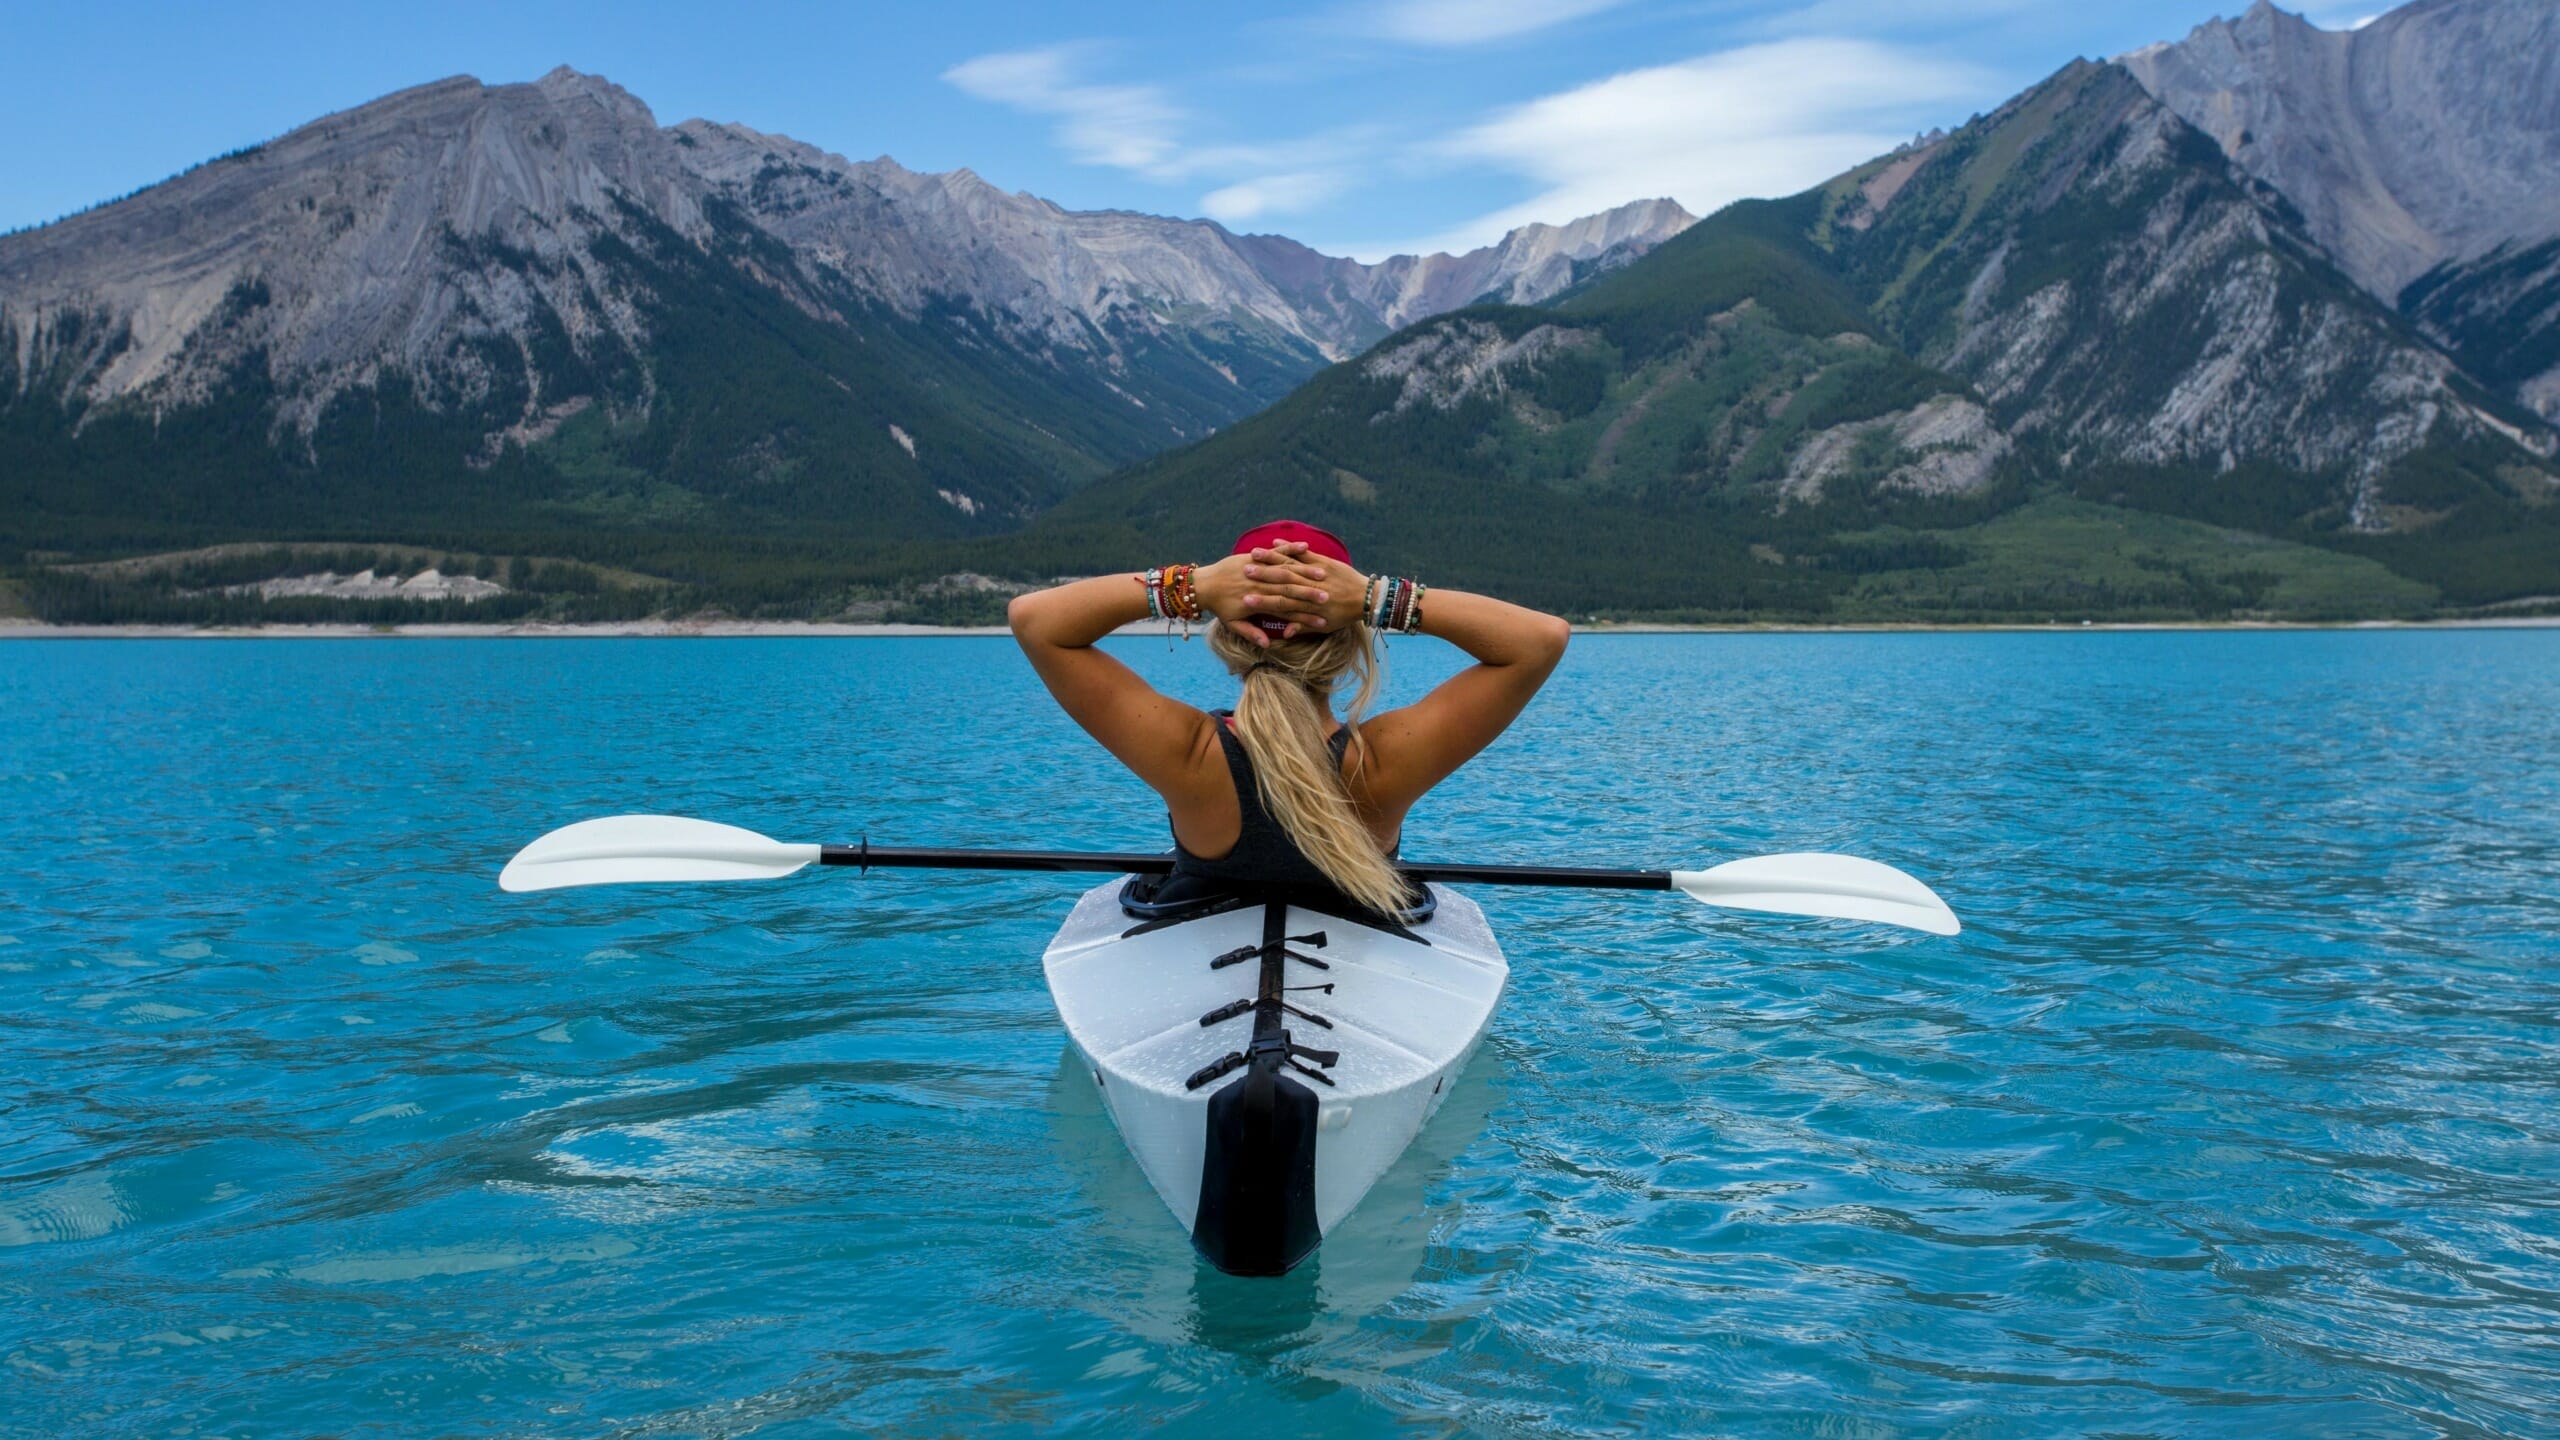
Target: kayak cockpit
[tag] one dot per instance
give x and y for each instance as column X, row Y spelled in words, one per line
column 1183, row 897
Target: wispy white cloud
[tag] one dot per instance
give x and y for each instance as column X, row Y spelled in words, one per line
column 1131, row 127
column 1887, row 17
column 1139, row 128
column 1282, row 194
column 2352, row 15
column 1474, row 22
column 1764, row 119
column 1755, row 121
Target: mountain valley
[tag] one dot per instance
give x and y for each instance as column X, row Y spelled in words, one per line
column 2188, row 336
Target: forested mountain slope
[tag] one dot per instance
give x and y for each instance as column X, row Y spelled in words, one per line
column 2076, row 293
column 2077, row 359
column 530, row 307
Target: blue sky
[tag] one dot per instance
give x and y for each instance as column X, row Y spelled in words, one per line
column 1361, row 128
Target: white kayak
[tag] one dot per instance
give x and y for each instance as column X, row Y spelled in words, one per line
column 1267, row 1062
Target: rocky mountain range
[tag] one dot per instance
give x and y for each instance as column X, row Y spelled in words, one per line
column 2422, row 151
column 2267, row 319
column 2078, row 291
column 1062, row 275
column 503, row 265
column 2111, row 289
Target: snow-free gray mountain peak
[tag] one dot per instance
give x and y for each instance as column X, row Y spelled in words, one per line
column 2431, row 134
column 340, row 223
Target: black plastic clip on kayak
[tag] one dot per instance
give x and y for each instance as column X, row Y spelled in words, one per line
column 1271, row 1049
column 1242, row 953
column 1275, row 1050
column 1236, row 1009
column 1225, row 1064
column 1295, row 1055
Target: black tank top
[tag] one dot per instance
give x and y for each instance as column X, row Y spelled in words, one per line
column 1263, row 854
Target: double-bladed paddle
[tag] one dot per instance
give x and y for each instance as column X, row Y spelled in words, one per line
column 624, row 849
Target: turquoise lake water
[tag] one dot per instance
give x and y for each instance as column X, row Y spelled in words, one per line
column 2235, row 1110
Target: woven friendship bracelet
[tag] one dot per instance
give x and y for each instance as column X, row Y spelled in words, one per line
column 1173, row 594
column 1182, row 596
column 1393, row 603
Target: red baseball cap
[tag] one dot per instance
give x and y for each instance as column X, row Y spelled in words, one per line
column 1323, row 542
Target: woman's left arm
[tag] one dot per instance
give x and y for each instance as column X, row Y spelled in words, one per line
column 1151, row 734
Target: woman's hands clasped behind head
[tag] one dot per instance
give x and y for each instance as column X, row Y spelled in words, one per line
column 1286, row 582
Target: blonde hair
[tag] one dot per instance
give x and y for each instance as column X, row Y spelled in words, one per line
column 1280, row 718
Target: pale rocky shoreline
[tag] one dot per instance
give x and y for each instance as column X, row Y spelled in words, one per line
column 792, row 629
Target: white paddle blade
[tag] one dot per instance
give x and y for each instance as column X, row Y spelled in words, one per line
column 624, row 849
column 1841, row 887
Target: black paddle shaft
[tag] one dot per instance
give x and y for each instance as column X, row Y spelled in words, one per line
column 867, row 856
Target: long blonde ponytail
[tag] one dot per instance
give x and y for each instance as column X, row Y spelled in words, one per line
column 1281, row 718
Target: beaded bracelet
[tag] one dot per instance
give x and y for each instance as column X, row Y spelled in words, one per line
column 1393, row 603
column 1172, row 594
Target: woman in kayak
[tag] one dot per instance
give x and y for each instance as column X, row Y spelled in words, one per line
column 1280, row 791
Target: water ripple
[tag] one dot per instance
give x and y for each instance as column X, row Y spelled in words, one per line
column 2233, row 1111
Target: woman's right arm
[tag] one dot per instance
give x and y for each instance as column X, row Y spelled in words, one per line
column 1515, row 650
